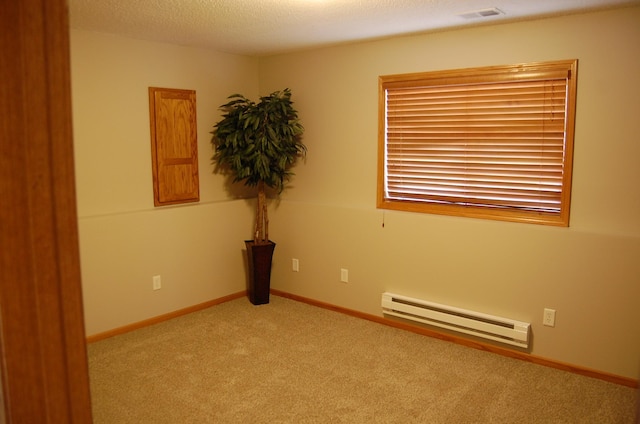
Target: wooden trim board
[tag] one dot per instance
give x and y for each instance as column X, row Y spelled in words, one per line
column 161, row 318
column 523, row 356
column 44, row 376
column 612, row 378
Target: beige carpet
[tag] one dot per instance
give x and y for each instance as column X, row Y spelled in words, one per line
column 289, row 362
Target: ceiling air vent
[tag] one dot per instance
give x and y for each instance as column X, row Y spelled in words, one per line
column 483, row 13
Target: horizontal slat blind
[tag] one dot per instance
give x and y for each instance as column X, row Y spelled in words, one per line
column 496, row 144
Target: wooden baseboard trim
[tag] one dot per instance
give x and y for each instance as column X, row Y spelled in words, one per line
column 164, row 317
column 612, row 378
column 523, row 356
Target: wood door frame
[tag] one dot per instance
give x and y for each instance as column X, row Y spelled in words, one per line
column 42, row 340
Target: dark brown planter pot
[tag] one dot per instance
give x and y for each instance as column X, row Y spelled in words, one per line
column 259, row 260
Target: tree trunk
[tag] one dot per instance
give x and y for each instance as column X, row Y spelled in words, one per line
column 261, row 234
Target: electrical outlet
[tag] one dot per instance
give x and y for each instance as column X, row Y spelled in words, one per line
column 157, row 282
column 295, row 265
column 549, row 317
column 344, row 275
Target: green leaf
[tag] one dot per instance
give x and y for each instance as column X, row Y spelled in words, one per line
column 258, row 141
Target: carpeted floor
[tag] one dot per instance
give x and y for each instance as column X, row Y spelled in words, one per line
column 289, row 362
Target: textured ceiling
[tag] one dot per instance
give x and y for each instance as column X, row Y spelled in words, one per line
column 263, row 27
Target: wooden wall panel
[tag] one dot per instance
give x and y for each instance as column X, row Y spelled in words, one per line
column 174, row 146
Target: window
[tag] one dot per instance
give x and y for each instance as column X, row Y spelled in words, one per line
column 174, row 146
column 494, row 142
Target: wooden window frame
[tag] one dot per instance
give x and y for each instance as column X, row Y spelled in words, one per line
column 426, row 201
column 174, row 146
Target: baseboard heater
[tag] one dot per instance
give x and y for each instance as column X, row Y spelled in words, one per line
column 481, row 325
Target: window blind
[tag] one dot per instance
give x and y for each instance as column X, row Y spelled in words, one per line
column 496, row 141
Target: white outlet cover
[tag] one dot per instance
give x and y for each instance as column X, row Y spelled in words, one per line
column 157, row 282
column 549, row 317
column 344, row 275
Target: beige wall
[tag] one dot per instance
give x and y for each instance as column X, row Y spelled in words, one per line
column 589, row 273
column 124, row 240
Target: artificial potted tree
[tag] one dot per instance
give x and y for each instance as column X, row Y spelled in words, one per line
column 257, row 144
